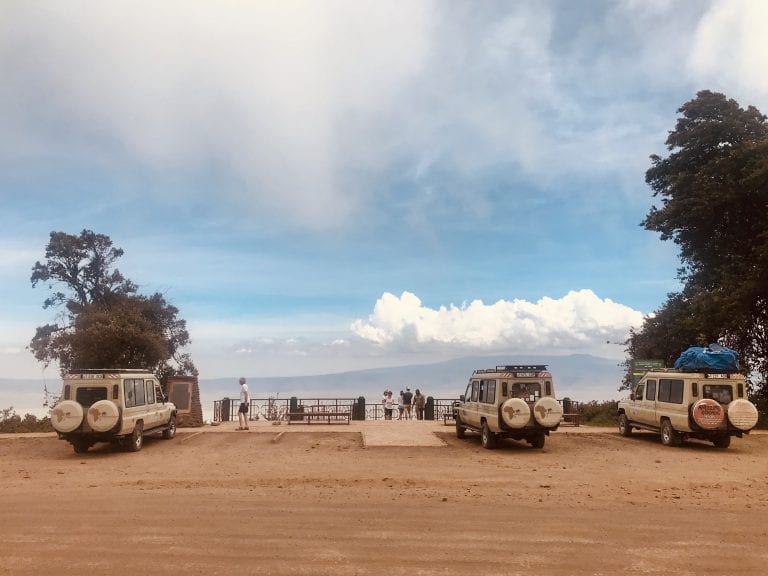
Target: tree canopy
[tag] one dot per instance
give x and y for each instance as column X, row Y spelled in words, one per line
column 107, row 324
column 713, row 188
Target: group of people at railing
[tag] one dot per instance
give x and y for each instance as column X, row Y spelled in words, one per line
column 408, row 404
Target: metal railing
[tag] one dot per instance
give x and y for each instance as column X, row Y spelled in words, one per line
column 275, row 408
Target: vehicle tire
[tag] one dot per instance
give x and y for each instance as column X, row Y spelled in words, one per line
column 722, row 441
column 548, row 412
column 80, row 446
column 515, row 413
column 136, row 440
column 170, row 432
column 624, row 427
column 668, row 435
column 742, row 414
column 487, row 438
column 460, row 430
column 708, row 413
column 538, row 440
column 66, row 416
column 103, row 416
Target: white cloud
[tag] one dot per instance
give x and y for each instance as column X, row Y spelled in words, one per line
column 259, row 91
column 730, row 50
column 579, row 321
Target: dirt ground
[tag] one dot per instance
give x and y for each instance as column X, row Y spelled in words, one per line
column 321, row 503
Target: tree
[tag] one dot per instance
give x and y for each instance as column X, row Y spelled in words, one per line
column 107, row 324
column 713, row 188
column 82, row 263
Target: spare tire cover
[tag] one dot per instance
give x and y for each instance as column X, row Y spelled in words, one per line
column 515, row 413
column 548, row 412
column 66, row 416
column 742, row 414
column 103, row 415
column 708, row 413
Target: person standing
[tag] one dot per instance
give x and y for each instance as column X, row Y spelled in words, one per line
column 400, row 406
column 242, row 412
column 419, row 402
column 386, row 401
column 407, row 401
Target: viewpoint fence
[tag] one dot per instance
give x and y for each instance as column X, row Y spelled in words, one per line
column 274, row 408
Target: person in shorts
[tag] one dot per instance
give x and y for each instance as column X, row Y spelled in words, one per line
column 242, row 412
column 407, row 401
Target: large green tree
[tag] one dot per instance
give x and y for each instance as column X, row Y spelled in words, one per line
column 713, row 188
column 106, row 323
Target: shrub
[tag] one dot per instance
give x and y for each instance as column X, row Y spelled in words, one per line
column 594, row 413
column 10, row 422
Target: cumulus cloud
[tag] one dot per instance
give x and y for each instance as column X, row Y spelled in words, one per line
column 580, row 321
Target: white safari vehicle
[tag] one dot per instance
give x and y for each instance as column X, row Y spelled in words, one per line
column 678, row 405
column 515, row 402
column 117, row 406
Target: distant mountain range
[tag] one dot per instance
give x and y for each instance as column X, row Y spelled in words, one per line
column 580, row 377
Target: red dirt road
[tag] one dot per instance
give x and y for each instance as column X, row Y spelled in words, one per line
column 321, row 503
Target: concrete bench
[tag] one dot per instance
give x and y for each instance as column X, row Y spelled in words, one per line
column 324, row 416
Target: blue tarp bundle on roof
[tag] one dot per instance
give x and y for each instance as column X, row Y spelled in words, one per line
column 713, row 358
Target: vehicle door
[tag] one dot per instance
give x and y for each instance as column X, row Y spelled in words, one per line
column 135, row 401
column 154, row 407
column 487, row 404
column 469, row 408
column 647, row 404
column 635, row 402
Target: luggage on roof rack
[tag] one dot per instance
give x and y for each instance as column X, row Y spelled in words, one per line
column 713, row 358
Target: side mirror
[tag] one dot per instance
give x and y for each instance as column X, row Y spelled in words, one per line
column 461, row 398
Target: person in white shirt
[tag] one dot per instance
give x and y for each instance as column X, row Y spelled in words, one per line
column 242, row 413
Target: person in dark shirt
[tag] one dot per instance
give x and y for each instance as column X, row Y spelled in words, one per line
column 407, row 401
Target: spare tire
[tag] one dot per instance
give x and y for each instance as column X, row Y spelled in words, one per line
column 548, row 412
column 66, row 416
column 103, row 415
column 708, row 413
column 742, row 414
column 515, row 413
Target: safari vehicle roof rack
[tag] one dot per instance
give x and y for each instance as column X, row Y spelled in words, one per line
column 517, row 367
column 107, row 370
column 514, row 368
column 704, row 371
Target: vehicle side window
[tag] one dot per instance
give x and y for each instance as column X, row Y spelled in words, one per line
column 639, row 391
column 504, row 386
column 130, row 399
column 488, row 391
column 468, row 392
column 141, row 393
column 135, row 392
column 671, row 391
column 150, row 392
column 650, row 391
column 159, row 396
column 475, row 390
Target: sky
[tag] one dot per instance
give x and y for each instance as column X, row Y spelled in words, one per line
column 337, row 185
